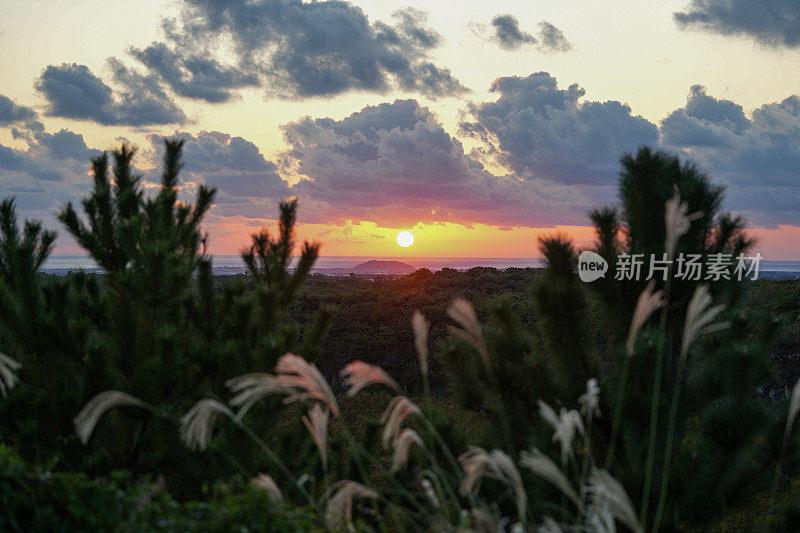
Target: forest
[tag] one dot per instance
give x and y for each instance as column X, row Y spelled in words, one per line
column 156, row 396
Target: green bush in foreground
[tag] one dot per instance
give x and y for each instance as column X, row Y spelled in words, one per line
column 33, row 499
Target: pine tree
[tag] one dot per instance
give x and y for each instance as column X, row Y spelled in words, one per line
column 156, row 324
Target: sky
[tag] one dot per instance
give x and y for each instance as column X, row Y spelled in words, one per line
column 477, row 126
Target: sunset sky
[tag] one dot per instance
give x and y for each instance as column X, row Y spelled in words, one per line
column 477, row 126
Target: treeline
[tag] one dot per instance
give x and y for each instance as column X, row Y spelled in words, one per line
column 372, row 317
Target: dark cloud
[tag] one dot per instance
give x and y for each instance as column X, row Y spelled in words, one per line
column 11, row 112
column 246, row 181
column 295, row 49
column 395, row 162
column 552, row 39
column 49, row 172
column 63, row 145
column 756, row 156
column 770, row 22
column 542, row 132
column 73, row 91
column 506, row 32
column 193, row 75
column 49, row 156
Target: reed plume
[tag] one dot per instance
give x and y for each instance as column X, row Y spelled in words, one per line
column 8, row 376
column 98, row 406
column 462, row 312
column 359, row 374
column 197, row 425
column 317, row 423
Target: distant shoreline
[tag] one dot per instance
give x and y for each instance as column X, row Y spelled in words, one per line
column 337, row 266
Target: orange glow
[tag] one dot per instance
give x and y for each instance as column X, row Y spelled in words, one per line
column 430, row 240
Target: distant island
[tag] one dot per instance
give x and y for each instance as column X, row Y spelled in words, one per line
column 383, row 267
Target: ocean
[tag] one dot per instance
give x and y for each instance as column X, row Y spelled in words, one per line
column 232, row 264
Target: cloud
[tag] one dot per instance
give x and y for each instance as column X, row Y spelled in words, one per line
column 542, row 132
column 11, row 112
column 756, row 156
column 506, row 32
column 50, row 171
column 295, row 49
column 49, row 156
column 73, row 91
column 63, row 145
column 773, row 23
column 194, row 75
column 247, row 183
column 395, row 163
column 552, row 39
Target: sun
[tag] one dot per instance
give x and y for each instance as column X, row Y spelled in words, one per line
column 405, row 239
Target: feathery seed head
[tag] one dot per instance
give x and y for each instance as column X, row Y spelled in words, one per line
column 544, row 467
column 340, row 504
column 393, row 417
column 98, row 406
column 607, row 493
column 251, row 389
column 359, row 374
column 699, row 317
column 462, row 312
column 477, row 463
column 402, row 445
column 590, row 400
column 421, row 328
column 8, row 376
column 294, row 372
column 267, row 483
column 317, row 423
column 197, row 425
column 677, row 221
column 565, row 424
column 649, row 300
column 794, row 408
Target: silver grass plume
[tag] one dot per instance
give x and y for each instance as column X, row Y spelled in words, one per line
column 394, row 415
column 549, row 525
column 317, row 423
column 296, row 373
column 590, row 400
column 421, row 328
column 462, row 312
column 8, row 376
column 402, row 445
column 359, row 374
column 267, row 483
column 426, row 482
column 340, row 504
column 649, row 301
column 477, row 463
column 605, row 491
column 98, row 406
column 249, row 389
column 677, row 221
column 546, row 468
column 197, row 425
column 699, row 317
column 565, row 425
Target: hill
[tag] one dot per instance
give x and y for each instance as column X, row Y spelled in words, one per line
column 383, row 267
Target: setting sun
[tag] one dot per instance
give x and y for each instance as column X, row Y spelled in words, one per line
column 405, row 239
